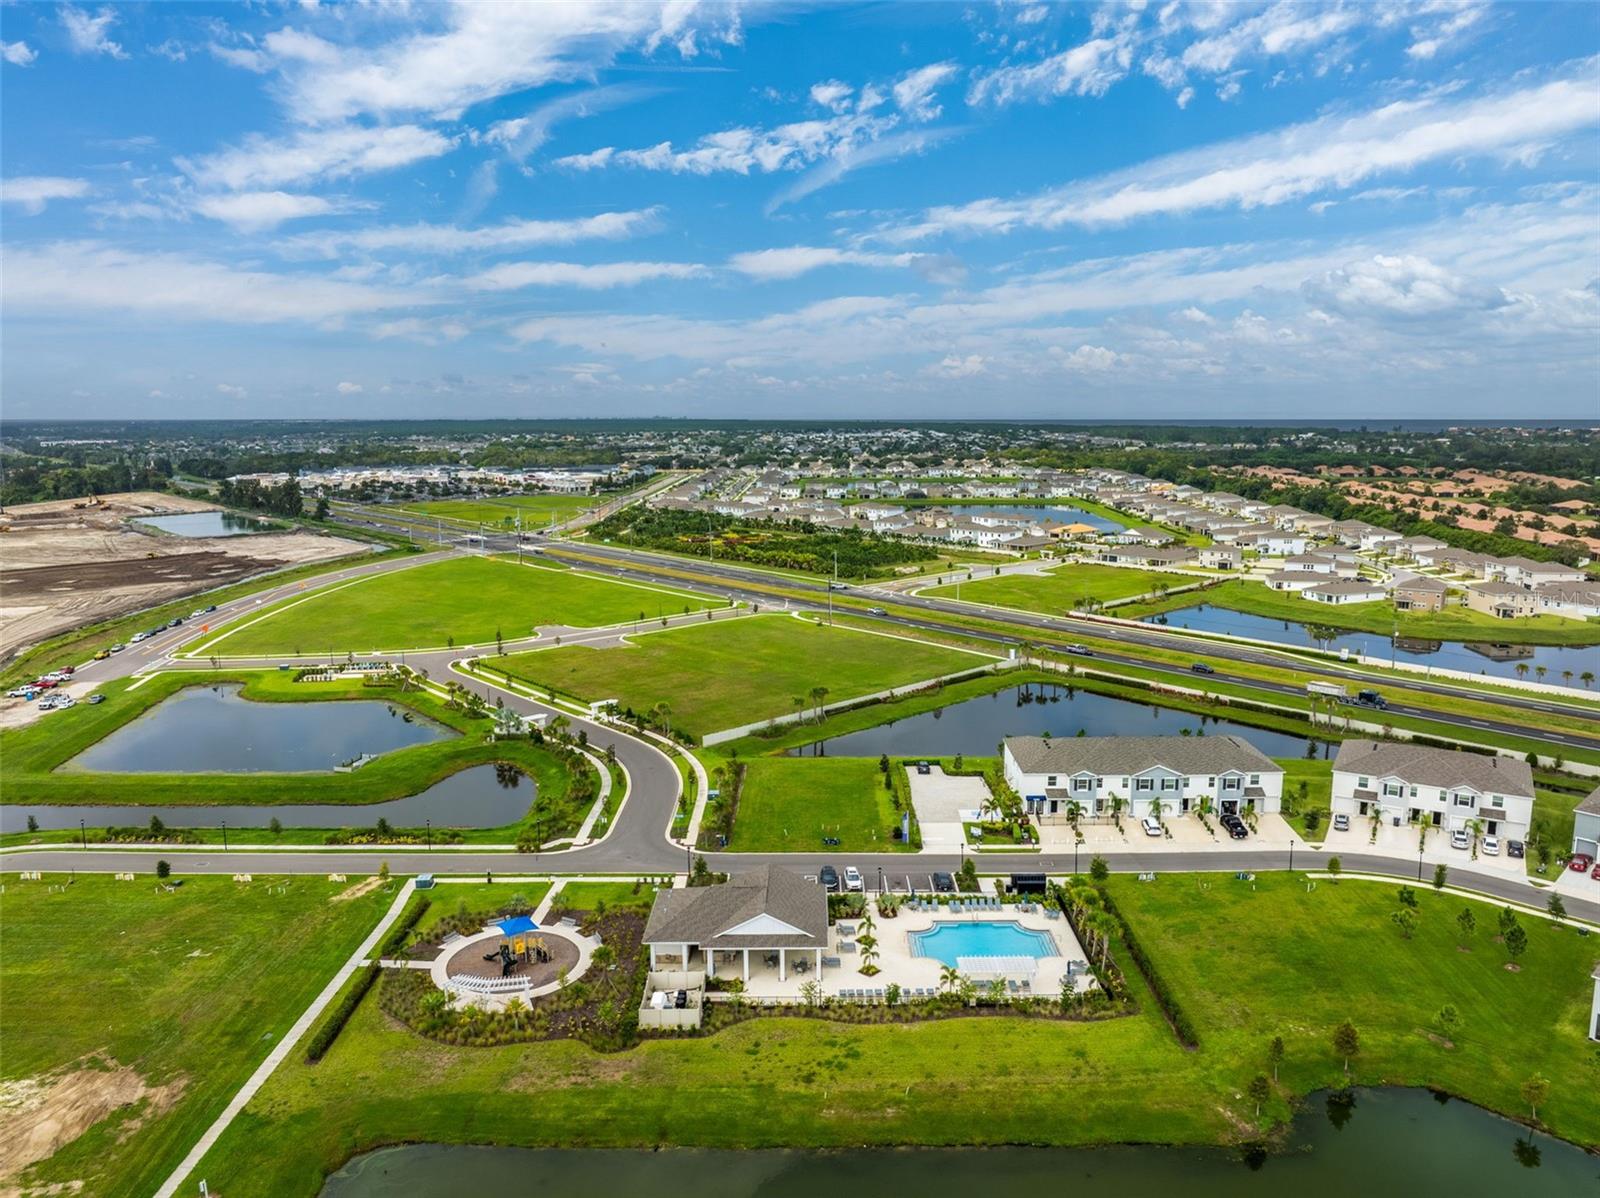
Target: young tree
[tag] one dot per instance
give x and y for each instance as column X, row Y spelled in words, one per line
column 1507, row 919
column 1335, row 868
column 1468, row 923
column 1440, row 873
column 1448, row 1018
column 1407, row 897
column 1557, row 908
column 1275, row 1053
column 1516, row 941
column 1534, row 1091
column 1346, row 1042
column 1260, row 1089
column 163, row 870
column 1406, row 920
column 1098, row 869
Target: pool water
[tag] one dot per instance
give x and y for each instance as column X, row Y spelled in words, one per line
column 947, row 943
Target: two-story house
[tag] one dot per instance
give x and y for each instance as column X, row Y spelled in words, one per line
column 1448, row 789
column 1174, row 773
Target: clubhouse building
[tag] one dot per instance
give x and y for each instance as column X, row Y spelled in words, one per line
column 778, row 916
column 1174, row 775
column 1447, row 789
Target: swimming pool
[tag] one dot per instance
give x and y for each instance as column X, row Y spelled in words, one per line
column 949, row 942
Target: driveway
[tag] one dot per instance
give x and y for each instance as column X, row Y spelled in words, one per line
column 940, row 799
column 1185, row 834
column 1402, row 842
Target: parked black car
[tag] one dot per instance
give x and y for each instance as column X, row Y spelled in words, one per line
column 1200, row 667
column 1515, row 848
column 944, row 883
column 1235, row 826
column 829, row 877
column 923, row 768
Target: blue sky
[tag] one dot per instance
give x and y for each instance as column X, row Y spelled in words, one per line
column 988, row 210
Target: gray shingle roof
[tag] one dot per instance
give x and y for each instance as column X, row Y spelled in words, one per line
column 1135, row 754
column 702, row 915
column 1591, row 803
column 1443, row 768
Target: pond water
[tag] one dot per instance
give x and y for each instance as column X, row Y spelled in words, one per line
column 207, row 524
column 1064, row 513
column 1378, row 1142
column 482, row 796
column 212, row 729
column 1476, row 657
column 976, row 726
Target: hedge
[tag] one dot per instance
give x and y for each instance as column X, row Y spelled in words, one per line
column 396, row 939
column 333, row 1023
column 1165, row 998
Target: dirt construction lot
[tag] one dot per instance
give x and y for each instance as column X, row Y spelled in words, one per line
column 65, row 564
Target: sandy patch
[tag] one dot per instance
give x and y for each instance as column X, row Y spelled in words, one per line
column 359, row 889
column 43, row 1114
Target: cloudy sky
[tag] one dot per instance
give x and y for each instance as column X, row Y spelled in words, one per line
column 1384, row 208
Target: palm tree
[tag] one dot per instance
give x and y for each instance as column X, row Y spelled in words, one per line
column 1587, row 678
column 661, row 713
column 604, row 958
column 800, row 706
column 818, row 695
column 949, row 977
column 516, row 1008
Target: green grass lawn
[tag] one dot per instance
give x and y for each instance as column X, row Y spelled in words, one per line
column 788, row 804
column 1317, row 777
column 465, row 601
column 1454, row 623
column 723, row 674
column 1064, row 588
column 501, row 512
column 174, row 998
column 1247, row 964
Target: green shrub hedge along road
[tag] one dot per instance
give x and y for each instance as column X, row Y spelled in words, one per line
column 726, row 673
column 31, row 757
column 1451, row 624
column 502, row 512
column 190, row 990
column 788, row 804
column 1246, row 965
column 1064, row 588
column 465, row 601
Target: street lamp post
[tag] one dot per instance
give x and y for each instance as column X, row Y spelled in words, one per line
column 224, row 836
column 430, row 834
column 1291, row 854
column 1419, row 858
column 83, row 834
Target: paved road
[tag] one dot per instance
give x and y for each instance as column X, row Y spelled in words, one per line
column 1058, row 631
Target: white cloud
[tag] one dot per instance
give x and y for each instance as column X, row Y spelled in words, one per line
column 87, row 35
column 521, row 136
column 914, row 91
column 1086, row 357
column 1405, row 286
column 832, row 95
column 80, row 276
column 424, row 332
column 32, row 192
column 848, row 158
column 1274, row 168
column 315, row 154
column 451, row 239
column 18, row 54
column 474, row 52
column 232, row 390
column 510, row 276
column 953, row 366
column 793, row 261
column 253, row 211
column 246, row 58
column 1088, row 69
column 350, row 388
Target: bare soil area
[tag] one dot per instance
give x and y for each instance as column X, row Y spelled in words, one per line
column 43, row 1114
column 71, row 562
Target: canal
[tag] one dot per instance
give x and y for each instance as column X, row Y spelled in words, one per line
column 1562, row 665
column 1372, row 1142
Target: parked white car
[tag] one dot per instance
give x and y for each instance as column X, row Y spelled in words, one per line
column 1460, row 839
column 1490, row 846
column 1151, row 825
column 852, row 878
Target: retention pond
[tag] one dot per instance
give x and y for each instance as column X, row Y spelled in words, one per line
column 976, row 726
column 1378, row 1142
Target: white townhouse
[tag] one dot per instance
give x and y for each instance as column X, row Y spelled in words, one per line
column 1273, row 544
column 1342, row 592
column 1172, row 772
column 1448, row 789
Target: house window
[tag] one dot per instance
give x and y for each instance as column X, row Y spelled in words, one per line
column 1084, row 783
column 1463, row 800
column 1050, row 780
column 1255, row 779
column 1413, row 792
column 1363, row 782
column 1212, row 783
column 1391, row 789
column 1145, row 784
column 1169, row 784
column 1230, row 783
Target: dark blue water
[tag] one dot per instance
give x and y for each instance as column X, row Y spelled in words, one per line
column 1378, row 1143
column 977, row 726
column 207, row 524
column 211, row 729
column 484, row 796
column 1562, row 666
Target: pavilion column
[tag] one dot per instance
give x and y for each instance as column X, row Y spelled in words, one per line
column 747, row 965
column 652, row 957
column 685, row 958
column 819, row 964
column 711, row 961
column 783, row 974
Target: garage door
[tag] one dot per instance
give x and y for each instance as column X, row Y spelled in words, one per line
column 1582, row 844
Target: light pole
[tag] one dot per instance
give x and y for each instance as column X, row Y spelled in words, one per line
column 83, row 834
column 1291, row 854
column 1419, row 858
column 430, row 835
column 224, row 836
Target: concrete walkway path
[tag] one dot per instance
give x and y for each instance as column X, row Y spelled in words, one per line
column 284, row 1046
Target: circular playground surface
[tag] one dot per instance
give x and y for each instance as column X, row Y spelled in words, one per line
column 480, row 957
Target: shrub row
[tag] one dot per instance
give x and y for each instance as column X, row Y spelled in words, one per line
column 401, row 932
column 333, row 1023
column 1182, row 1026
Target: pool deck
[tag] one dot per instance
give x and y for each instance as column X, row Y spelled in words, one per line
column 897, row 965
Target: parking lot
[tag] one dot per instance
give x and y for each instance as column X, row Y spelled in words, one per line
column 1402, row 842
column 940, row 799
column 1181, row 834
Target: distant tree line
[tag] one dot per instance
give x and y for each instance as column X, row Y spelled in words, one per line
column 278, row 499
column 37, row 480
